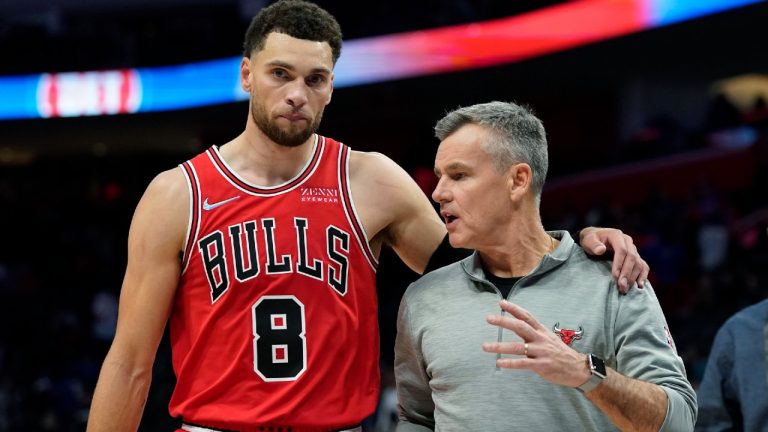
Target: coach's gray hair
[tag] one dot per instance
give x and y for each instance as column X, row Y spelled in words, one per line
column 516, row 135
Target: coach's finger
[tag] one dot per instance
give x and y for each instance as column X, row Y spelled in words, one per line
column 522, row 314
column 514, row 348
column 520, row 327
column 516, row 363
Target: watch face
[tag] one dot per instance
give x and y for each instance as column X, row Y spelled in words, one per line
column 597, row 365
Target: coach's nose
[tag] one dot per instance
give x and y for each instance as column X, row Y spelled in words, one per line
column 442, row 193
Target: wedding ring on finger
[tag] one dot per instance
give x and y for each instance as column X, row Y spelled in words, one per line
column 525, row 349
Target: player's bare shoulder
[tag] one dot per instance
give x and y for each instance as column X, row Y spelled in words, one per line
column 163, row 211
column 393, row 209
column 379, row 189
column 378, row 174
column 170, row 184
column 168, row 192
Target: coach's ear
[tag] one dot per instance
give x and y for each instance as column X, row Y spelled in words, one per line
column 519, row 177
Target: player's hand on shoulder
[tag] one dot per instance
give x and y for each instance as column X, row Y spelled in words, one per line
column 628, row 267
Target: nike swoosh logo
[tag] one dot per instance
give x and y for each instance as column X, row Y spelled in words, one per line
column 207, row 206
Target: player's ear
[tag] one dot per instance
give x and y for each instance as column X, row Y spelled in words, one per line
column 331, row 92
column 245, row 74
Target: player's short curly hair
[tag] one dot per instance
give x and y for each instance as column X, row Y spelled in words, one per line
column 296, row 18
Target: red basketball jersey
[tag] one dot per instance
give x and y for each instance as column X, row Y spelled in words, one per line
column 275, row 317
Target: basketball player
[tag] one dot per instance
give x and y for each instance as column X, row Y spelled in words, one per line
column 262, row 255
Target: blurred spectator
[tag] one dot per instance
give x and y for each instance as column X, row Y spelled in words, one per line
column 725, row 125
column 104, row 309
column 722, row 114
column 662, row 134
column 734, row 392
column 758, row 113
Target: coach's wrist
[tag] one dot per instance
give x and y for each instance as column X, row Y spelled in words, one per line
column 582, row 370
column 597, row 373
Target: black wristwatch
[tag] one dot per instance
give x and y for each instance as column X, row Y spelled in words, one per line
column 597, row 369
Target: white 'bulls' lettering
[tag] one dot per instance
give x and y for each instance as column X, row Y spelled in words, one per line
column 246, row 261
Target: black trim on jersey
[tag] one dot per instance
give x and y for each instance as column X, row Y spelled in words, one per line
column 195, row 215
column 212, row 262
column 235, row 233
column 232, row 177
column 359, row 231
column 316, row 271
column 445, row 254
column 339, row 284
column 273, row 267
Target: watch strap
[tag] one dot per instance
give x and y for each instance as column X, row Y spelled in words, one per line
column 590, row 385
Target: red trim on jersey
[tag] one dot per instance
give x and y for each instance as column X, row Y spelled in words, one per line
column 194, row 218
column 269, row 191
column 349, row 209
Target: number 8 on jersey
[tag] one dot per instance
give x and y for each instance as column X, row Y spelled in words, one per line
column 279, row 346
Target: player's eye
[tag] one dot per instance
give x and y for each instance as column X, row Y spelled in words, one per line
column 279, row 73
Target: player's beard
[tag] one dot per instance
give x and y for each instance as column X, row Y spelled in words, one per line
column 292, row 137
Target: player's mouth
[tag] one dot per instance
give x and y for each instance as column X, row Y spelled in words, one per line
column 293, row 117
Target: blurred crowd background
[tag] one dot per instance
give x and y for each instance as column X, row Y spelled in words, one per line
column 662, row 134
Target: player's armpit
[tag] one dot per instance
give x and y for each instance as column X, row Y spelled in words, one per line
column 445, row 254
